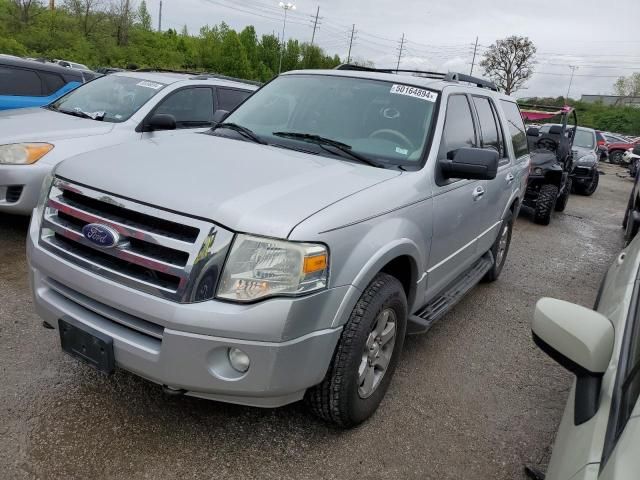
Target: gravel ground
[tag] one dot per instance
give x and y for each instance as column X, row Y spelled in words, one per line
column 473, row 398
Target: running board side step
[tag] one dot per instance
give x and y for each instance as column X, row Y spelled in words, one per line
column 427, row 316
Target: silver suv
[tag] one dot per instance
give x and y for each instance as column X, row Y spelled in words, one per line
column 287, row 252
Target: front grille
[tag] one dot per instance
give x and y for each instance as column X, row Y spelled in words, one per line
column 159, row 252
column 13, row 193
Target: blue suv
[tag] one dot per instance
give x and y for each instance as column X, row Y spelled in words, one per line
column 29, row 83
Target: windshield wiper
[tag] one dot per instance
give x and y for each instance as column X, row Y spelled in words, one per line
column 244, row 131
column 324, row 142
column 99, row 116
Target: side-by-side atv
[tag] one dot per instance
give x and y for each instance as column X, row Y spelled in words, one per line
column 549, row 184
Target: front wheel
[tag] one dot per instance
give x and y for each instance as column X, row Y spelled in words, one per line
column 590, row 188
column 563, row 198
column 545, row 204
column 500, row 248
column 366, row 356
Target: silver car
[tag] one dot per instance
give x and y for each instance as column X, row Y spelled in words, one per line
column 110, row 110
column 600, row 429
column 286, row 253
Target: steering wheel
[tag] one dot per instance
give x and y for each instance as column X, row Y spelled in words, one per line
column 547, row 144
column 393, row 133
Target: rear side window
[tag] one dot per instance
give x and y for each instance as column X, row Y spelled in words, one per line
column 17, row 81
column 229, row 98
column 191, row 107
column 51, row 82
column 516, row 128
column 459, row 131
column 489, row 126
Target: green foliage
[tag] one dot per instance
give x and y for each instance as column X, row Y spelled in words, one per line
column 100, row 33
column 596, row 115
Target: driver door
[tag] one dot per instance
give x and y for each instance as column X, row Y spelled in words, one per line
column 192, row 107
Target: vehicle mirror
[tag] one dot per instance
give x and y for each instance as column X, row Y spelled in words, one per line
column 160, row 121
column 579, row 339
column 219, row 116
column 471, row 164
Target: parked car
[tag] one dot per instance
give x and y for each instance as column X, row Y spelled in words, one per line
column 617, row 145
column 28, row 83
column 68, row 64
column 603, row 146
column 286, row 253
column 113, row 109
column 631, row 157
column 599, row 433
column 585, row 175
column 549, row 183
column 631, row 221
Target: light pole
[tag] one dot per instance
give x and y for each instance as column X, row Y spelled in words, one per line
column 286, row 6
column 573, row 69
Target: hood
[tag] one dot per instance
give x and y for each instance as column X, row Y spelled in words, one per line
column 542, row 157
column 42, row 125
column 579, row 152
column 244, row 186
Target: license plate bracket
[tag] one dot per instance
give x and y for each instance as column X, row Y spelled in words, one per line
column 87, row 344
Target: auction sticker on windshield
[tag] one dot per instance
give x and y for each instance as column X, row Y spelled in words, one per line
column 414, row 92
column 153, row 85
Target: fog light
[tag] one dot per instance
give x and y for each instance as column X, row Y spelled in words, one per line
column 238, row 359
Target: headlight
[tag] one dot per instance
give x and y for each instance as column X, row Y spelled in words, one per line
column 537, row 171
column 586, row 160
column 23, row 153
column 44, row 195
column 259, row 267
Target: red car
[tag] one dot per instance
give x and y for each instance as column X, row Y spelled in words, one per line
column 617, row 145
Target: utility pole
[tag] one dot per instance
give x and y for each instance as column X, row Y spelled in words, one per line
column 286, row 7
column 400, row 52
column 353, row 31
column 573, row 69
column 473, row 62
column 52, row 5
column 160, row 17
column 315, row 25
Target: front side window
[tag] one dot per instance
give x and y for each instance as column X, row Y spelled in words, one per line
column 385, row 121
column 112, row 98
column 516, row 128
column 230, row 98
column 488, row 124
column 191, row 107
column 459, row 131
column 18, row 81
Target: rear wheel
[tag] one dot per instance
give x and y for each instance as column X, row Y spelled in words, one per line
column 563, row 198
column 544, row 205
column 366, row 356
column 615, row 157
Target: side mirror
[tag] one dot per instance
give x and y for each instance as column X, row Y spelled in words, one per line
column 471, row 164
column 579, row 339
column 219, row 116
column 160, row 121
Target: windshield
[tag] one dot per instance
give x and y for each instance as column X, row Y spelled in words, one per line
column 117, row 96
column 584, row 139
column 379, row 120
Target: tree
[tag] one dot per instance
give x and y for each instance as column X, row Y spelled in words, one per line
column 86, row 12
column 122, row 16
column 509, row 62
column 628, row 86
column 233, row 58
column 24, row 10
column 144, row 17
column 184, row 32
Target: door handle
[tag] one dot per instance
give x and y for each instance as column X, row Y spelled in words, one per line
column 509, row 178
column 477, row 193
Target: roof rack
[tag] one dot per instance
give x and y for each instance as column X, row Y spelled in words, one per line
column 447, row 77
column 200, row 75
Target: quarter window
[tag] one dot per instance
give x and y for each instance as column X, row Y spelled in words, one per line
column 459, row 131
column 191, row 107
column 516, row 128
column 16, row 81
column 488, row 125
column 51, row 82
column 229, row 99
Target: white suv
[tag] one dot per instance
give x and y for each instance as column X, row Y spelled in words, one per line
column 110, row 110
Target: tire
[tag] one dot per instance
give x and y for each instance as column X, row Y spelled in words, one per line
column 503, row 241
column 563, row 198
column 615, row 157
column 341, row 399
column 544, row 205
column 590, row 189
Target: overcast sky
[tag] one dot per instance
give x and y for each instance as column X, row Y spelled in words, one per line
column 601, row 38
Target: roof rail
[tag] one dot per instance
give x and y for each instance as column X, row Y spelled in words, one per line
column 200, row 75
column 447, row 77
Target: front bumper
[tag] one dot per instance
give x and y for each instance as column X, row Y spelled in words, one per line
column 290, row 342
column 582, row 175
column 20, row 187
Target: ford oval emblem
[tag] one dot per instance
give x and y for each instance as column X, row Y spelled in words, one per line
column 101, row 235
